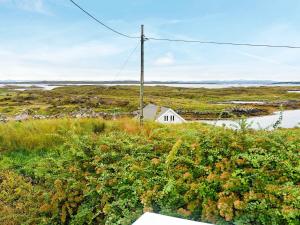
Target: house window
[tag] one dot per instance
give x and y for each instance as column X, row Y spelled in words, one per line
column 166, row 118
column 172, row 118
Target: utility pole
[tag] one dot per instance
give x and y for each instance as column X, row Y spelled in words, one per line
column 142, row 77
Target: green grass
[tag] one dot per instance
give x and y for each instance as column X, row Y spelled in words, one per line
column 126, row 99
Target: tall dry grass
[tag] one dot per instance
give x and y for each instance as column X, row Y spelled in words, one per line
column 40, row 134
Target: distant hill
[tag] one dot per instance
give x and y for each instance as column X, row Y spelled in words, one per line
column 264, row 82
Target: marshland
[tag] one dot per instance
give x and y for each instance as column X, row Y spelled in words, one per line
column 119, row 101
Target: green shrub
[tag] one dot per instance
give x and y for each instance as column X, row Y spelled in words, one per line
column 98, row 127
column 113, row 175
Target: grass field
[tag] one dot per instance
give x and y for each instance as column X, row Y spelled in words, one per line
column 192, row 103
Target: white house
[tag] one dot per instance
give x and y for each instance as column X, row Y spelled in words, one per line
column 161, row 114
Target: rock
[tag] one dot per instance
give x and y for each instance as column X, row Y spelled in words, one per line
column 3, row 119
column 248, row 111
column 39, row 117
column 22, row 116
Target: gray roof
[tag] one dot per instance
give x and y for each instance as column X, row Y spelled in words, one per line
column 153, row 112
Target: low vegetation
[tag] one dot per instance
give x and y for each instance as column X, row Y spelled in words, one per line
column 192, row 103
column 90, row 171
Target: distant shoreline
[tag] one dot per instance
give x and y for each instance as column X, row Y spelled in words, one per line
column 238, row 82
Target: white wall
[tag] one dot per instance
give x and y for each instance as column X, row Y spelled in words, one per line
column 170, row 113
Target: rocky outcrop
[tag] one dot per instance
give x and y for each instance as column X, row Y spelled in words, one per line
column 82, row 113
column 237, row 111
column 25, row 115
column 247, row 111
column 3, row 119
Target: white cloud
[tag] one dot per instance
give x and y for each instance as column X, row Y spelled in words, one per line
column 259, row 58
column 81, row 61
column 246, row 71
column 28, row 5
column 61, row 55
column 72, row 54
column 166, row 60
column 31, row 5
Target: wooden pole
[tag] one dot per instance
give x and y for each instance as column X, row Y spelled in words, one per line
column 142, row 77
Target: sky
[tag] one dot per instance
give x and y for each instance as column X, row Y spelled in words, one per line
column 53, row 40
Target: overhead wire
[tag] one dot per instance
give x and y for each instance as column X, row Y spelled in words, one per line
column 126, row 61
column 223, row 43
column 101, row 23
column 180, row 40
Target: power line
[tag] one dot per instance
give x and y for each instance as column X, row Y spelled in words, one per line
column 223, row 43
column 103, row 24
column 126, row 61
column 182, row 40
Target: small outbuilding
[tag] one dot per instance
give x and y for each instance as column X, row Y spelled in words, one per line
column 161, row 114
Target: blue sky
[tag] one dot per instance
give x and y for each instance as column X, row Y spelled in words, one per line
column 53, row 40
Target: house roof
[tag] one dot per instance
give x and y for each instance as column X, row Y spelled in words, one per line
column 153, row 112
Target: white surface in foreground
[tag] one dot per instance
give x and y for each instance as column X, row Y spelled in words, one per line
column 290, row 119
column 156, row 219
